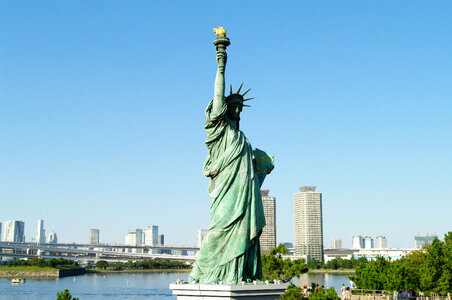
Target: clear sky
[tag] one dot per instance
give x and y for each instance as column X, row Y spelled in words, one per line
column 102, row 113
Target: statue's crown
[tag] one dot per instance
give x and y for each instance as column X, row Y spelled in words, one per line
column 237, row 97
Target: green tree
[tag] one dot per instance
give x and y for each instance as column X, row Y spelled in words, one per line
column 102, row 264
column 65, row 295
column 292, row 293
column 284, row 269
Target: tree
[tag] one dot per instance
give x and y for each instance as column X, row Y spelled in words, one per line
column 284, row 269
column 65, row 295
column 102, row 264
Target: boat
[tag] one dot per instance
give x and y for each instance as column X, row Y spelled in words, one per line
column 18, row 280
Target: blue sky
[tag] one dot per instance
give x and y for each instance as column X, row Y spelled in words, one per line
column 102, row 113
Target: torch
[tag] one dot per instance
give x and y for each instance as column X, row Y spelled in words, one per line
column 221, row 42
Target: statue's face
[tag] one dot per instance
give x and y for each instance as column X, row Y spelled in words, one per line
column 234, row 110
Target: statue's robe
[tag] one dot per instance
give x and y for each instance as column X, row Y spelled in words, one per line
column 230, row 253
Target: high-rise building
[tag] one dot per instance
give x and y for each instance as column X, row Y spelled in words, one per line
column 202, row 233
column 308, row 223
column 53, row 239
column 420, row 241
column 14, row 231
column 381, row 242
column 41, row 233
column 0, row 231
column 94, row 236
column 161, row 239
column 134, row 237
column 268, row 237
column 336, row 244
column 368, row 242
column 151, row 235
column 357, row 242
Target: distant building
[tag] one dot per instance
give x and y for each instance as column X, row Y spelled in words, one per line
column 381, row 242
column 308, row 223
column 161, row 240
column 336, row 244
column 202, row 233
column 53, row 238
column 179, row 252
column 134, row 237
column 94, row 236
column 0, row 231
column 357, row 242
column 368, row 242
column 268, row 237
column 288, row 245
column 420, row 241
column 151, row 235
column 41, row 233
column 14, row 231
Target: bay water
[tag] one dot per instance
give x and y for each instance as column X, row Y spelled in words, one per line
column 126, row 286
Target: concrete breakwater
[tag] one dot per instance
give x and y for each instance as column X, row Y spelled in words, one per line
column 40, row 274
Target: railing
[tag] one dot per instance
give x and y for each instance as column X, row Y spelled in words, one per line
column 359, row 294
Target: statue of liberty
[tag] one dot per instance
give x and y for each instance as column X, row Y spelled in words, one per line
column 230, row 253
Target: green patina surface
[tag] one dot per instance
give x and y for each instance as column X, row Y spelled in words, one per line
column 231, row 253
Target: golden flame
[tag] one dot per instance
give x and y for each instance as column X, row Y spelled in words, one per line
column 220, row 31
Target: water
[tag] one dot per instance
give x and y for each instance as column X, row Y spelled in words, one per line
column 124, row 286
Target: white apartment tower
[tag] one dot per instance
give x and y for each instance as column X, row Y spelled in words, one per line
column 381, row 242
column 357, row 242
column 309, row 223
column 94, row 236
column 268, row 237
column 41, row 233
column 151, row 235
column 368, row 242
column 14, row 231
column 336, row 244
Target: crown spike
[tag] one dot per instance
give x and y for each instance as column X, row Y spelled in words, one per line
column 230, row 91
column 246, row 105
column 240, row 88
column 246, row 92
column 247, row 99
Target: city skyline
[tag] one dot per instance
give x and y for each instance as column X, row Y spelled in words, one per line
column 102, row 113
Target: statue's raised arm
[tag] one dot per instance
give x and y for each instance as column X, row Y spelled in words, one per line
column 221, row 42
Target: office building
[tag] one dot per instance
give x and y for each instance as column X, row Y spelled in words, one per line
column 368, row 242
column 288, row 245
column 40, row 233
column 53, row 239
column 134, row 237
column 151, row 235
column 308, row 223
column 381, row 242
column 94, row 236
column 14, row 231
column 336, row 244
column 357, row 242
column 420, row 241
column 202, row 233
column 268, row 237
column 161, row 240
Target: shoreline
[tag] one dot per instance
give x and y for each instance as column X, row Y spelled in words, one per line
column 45, row 273
column 96, row 271
column 343, row 271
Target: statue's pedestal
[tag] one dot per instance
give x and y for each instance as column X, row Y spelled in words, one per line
column 227, row 292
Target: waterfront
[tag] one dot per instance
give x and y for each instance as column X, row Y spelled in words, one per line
column 135, row 286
